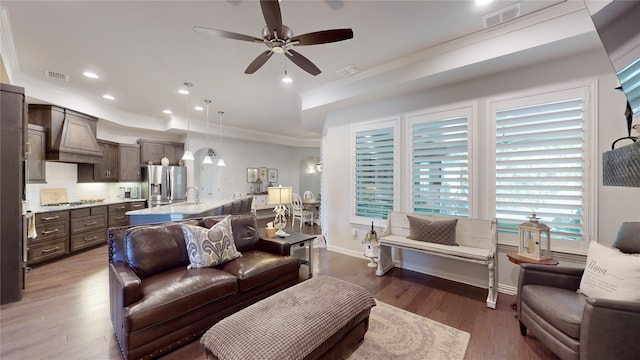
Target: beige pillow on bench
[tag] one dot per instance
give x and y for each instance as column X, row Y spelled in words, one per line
column 438, row 232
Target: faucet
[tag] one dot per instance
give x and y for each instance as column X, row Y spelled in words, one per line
column 197, row 193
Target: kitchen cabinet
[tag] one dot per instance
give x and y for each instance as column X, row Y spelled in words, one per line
column 129, row 162
column 36, row 153
column 13, row 131
column 105, row 171
column 71, row 136
column 52, row 240
column 88, row 227
column 152, row 150
column 117, row 212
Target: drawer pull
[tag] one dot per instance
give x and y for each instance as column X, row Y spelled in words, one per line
column 51, row 218
column 121, row 207
column 90, row 238
column 137, row 205
column 46, row 251
column 47, row 232
column 90, row 223
column 120, row 217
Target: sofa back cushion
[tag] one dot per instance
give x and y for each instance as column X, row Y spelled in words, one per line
column 155, row 248
column 244, row 228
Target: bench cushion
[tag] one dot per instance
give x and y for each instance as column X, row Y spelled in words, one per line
column 459, row 251
column 294, row 321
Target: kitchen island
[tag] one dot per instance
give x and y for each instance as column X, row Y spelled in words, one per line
column 178, row 211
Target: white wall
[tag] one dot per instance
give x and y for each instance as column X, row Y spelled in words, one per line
column 614, row 205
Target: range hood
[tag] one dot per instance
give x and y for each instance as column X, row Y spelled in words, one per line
column 71, row 136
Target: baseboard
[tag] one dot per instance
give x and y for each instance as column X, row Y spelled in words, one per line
column 507, row 289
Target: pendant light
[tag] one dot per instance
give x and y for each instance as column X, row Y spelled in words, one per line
column 207, row 159
column 188, row 155
column 220, row 160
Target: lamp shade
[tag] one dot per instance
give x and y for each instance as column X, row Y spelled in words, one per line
column 280, row 195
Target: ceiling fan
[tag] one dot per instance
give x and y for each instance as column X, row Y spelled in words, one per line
column 280, row 39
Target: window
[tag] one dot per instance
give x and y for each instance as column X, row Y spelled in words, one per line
column 439, row 163
column 374, row 169
column 540, row 162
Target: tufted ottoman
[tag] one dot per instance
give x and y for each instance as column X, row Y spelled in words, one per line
column 318, row 318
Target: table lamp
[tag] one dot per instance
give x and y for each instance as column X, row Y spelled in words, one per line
column 280, row 196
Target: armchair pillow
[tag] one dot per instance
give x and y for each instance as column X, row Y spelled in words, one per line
column 209, row 247
column 439, row 232
column 611, row 274
column 628, row 238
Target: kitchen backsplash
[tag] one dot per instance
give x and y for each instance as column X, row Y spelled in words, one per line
column 64, row 175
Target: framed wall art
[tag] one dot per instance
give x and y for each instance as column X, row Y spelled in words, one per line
column 252, row 175
column 272, row 175
column 262, row 173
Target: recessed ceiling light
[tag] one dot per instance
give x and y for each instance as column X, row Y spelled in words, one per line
column 183, row 91
column 483, row 2
column 198, row 108
column 167, row 111
column 90, row 75
column 108, row 97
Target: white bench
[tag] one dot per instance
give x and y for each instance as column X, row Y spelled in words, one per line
column 477, row 239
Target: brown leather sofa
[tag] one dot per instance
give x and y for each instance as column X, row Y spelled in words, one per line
column 158, row 305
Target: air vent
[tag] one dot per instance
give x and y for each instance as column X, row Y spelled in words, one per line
column 348, row 70
column 56, row 75
column 503, row 15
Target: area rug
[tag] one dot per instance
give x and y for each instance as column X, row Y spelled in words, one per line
column 398, row 334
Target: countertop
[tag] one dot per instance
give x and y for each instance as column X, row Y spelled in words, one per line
column 186, row 208
column 42, row 209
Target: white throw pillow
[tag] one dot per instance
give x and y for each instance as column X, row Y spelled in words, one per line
column 209, row 247
column 611, row 274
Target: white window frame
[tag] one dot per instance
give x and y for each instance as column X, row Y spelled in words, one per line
column 587, row 92
column 425, row 116
column 391, row 122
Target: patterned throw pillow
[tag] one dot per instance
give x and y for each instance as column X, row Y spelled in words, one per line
column 439, row 232
column 209, row 247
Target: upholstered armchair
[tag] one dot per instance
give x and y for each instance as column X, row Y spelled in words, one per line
column 573, row 325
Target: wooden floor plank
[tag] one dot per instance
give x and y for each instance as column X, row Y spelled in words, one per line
column 64, row 313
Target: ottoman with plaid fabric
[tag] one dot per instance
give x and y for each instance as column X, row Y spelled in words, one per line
column 319, row 318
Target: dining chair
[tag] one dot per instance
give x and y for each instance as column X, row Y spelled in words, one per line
column 299, row 212
column 237, row 195
column 308, row 195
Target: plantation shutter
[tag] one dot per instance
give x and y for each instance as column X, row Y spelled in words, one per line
column 440, row 176
column 374, row 172
column 540, row 167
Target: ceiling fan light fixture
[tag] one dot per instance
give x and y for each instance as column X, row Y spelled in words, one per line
column 286, row 78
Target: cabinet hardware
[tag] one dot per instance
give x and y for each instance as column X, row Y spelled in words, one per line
column 90, row 238
column 120, row 217
column 50, row 218
column 121, row 207
column 90, row 223
column 44, row 232
column 46, row 251
column 137, row 205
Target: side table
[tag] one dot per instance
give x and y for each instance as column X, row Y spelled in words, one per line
column 517, row 259
column 299, row 240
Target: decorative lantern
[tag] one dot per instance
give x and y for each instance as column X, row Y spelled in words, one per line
column 535, row 239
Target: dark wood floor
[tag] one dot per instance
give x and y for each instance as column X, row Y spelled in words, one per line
column 64, row 313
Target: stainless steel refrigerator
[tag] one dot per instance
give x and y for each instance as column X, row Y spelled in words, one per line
column 163, row 185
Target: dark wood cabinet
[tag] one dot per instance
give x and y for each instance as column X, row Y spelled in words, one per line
column 88, row 227
column 152, row 150
column 36, row 153
column 129, row 162
column 13, row 131
column 105, row 171
column 52, row 240
column 117, row 212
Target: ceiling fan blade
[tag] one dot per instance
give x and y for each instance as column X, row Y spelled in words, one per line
column 322, row 37
column 272, row 16
column 258, row 62
column 304, row 63
column 226, row 34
